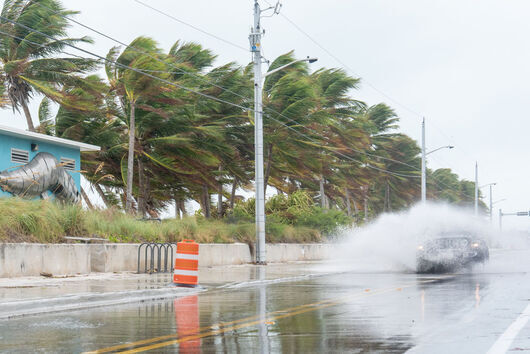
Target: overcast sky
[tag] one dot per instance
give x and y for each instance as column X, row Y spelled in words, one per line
column 463, row 64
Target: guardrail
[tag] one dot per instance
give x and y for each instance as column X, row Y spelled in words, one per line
column 158, row 257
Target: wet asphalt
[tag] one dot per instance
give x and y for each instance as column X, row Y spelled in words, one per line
column 350, row 312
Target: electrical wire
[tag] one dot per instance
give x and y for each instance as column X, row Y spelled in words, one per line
column 119, row 64
column 143, row 53
column 189, row 90
column 344, row 64
column 247, row 99
column 406, row 107
column 191, row 26
column 206, row 95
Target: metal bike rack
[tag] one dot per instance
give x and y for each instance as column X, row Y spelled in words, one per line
column 158, row 257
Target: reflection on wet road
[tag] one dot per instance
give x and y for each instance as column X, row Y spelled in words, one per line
column 343, row 312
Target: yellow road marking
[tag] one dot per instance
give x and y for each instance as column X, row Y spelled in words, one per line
column 243, row 325
column 220, row 324
column 293, row 311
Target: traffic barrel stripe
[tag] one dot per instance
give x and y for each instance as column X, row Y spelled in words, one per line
column 187, row 263
column 185, row 279
column 187, row 272
column 188, row 256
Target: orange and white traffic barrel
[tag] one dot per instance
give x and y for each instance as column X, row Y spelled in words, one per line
column 186, row 270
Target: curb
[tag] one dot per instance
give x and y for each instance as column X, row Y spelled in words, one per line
column 22, row 308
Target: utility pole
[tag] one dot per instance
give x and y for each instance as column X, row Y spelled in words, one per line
column 255, row 47
column 500, row 219
column 423, row 173
column 476, row 188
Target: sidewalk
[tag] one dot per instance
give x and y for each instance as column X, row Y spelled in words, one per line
column 35, row 295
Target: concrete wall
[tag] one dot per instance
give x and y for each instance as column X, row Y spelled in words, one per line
column 25, row 259
column 285, row 252
column 20, row 259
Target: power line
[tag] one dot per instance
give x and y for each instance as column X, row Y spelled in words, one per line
column 119, row 64
column 198, row 76
column 204, row 95
column 192, row 26
column 406, row 107
column 186, row 89
column 143, row 52
column 345, row 156
column 345, row 65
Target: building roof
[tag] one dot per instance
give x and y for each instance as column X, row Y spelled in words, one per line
column 47, row 138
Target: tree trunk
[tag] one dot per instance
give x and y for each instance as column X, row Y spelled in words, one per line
column 355, row 208
column 206, row 201
column 348, row 206
column 233, row 194
column 268, row 168
column 130, row 162
column 323, row 199
column 142, row 207
column 148, row 202
column 365, row 204
column 27, row 113
column 177, row 207
column 220, row 195
column 87, row 200
column 387, row 196
column 182, row 207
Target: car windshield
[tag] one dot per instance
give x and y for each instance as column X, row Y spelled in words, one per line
column 451, row 242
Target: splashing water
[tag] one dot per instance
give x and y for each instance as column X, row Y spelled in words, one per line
column 389, row 243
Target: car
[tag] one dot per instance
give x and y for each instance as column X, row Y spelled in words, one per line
column 450, row 253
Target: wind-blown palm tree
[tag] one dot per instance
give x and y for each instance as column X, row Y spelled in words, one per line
column 29, row 62
column 132, row 86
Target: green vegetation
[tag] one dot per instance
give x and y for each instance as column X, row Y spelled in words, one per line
column 164, row 144
column 47, row 222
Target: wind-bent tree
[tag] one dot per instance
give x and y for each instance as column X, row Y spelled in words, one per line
column 29, row 63
column 132, row 86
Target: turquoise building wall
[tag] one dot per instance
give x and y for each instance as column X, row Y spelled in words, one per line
column 7, row 142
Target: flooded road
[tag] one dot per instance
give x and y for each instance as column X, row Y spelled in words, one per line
column 329, row 313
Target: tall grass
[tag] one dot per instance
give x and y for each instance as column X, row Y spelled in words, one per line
column 47, row 222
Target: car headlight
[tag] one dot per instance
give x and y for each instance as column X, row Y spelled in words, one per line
column 420, row 248
column 475, row 245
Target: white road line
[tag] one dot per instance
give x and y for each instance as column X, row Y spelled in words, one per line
column 505, row 340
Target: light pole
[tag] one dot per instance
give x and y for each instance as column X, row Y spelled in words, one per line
column 423, row 167
column 491, row 199
column 476, row 188
column 423, row 162
column 255, row 48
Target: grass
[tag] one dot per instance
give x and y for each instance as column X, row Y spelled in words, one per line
column 47, row 222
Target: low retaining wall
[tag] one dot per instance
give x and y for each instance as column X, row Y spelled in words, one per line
column 27, row 259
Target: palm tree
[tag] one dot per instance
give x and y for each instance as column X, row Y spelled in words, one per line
column 29, row 65
column 132, row 86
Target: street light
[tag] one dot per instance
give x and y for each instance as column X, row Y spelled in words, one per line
column 255, row 39
column 440, row 148
column 423, row 162
column 491, row 199
column 308, row 59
